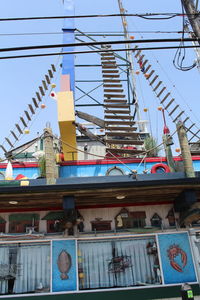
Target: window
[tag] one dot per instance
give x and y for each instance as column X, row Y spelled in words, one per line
column 24, row 268
column 101, row 225
column 114, row 171
column 23, row 223
column 171, row 218
column 156, row 221
column 126, row 219
column 117, row 263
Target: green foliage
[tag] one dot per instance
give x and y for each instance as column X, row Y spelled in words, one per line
column 150, row 145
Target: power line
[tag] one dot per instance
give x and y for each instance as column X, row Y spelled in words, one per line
column 149, row 16
column 95, row 51
column 98, row 43
column 93, row 33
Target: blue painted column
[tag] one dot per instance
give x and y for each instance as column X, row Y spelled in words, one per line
column 68, row 72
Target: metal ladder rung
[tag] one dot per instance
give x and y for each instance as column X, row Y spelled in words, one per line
column 147, row 69
column 173, row 110
column 138, row 53
column 44, row 85
column 27, row 115
column 144, row 63
column 47, row 79
column 23, row 122
column 170, row 102
column 186, row 119
column 165, row 97
column 2, row 147
column 14, row 135
column 141, row 57
column 157, row 86
column 19, row 129
column 9, row 142
column 150, row 74
column 31, row 109
column 161, row 91
column 153, row 80
column 178, row 116
column 188, row 129
column 38, row 96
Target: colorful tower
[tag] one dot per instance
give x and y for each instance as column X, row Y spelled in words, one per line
column 65, row 98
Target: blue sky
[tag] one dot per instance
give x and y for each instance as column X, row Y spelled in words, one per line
column 20, row 78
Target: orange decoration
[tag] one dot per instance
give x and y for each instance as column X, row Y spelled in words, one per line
column 43, row 105
column 178, row 150
column 137, row 72
column 145, row 109
column 132, row 37
column 160, row 108
column 146, row 76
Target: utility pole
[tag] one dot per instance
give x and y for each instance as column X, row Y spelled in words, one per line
column 141, row 125
column 193, row 16
column 49, row 156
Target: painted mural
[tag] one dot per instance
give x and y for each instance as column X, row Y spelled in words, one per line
column 176, row 258
column 63, row 266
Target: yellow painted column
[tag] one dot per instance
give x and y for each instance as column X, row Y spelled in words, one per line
column 66, row 120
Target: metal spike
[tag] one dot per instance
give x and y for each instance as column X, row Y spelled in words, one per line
column 35, row 102
column 19, row 129
column 41, row 91
column 44, row 85
column 50, row 73
column 31, row 109
column 47, row 79
column 27, row 115
column 14, row 135
column 53, row 68
column 23, row 122
column 9, row 142
column 38, row 96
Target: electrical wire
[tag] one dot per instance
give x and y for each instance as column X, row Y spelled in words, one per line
column 148, row 16
column 169, row 40
column 94, row 51
column 180, row 54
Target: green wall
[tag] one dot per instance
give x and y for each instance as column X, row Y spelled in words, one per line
column 139, row 294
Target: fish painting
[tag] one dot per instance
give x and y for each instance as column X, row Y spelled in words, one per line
column 64, row 263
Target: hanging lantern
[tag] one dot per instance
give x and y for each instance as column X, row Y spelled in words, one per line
column 26, row 131
column 132, row 37
column 145, row 109
column 178, row 150
column 43, row 106
column 53, row 85
column 137, row 72
column 160, row 108
column 146, row 76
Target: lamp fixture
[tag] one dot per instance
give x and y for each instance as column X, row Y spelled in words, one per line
column 120, row 197
column 13, row 202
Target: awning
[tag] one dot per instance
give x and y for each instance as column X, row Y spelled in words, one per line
column 23, row 217
column 2, row 220
column 54, row 215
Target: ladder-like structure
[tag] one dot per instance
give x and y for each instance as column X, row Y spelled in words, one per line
column 28, row 114
column 120, row 133
column 164, row 95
